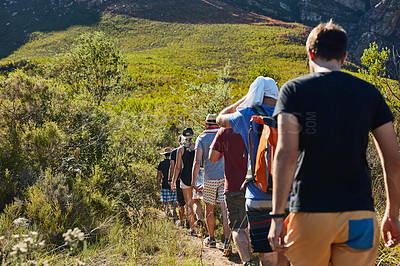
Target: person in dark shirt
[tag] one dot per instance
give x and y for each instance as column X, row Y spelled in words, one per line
column 183, row 171
column 324, row 120
column 179, row 193
column 167, row 196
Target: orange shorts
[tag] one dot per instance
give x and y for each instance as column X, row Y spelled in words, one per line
column 336, row 239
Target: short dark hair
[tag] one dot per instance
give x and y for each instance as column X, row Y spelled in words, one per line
column 327, row 41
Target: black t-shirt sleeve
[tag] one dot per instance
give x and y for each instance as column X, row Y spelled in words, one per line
column 383, row 114
column 159, row 167
column 172, row 157
column 285, row 103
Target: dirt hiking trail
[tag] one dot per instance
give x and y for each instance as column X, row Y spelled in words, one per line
column 214, row 256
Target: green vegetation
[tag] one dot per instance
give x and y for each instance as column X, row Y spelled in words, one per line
column 375, row 72
column 84, row 113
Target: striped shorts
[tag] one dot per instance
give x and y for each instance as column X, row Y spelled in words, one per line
column 259, row 224
column 213, row 191
column 167, row 195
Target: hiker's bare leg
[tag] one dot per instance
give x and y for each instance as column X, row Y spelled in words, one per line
column 174, row 209
column 165, row 208
column 268, row 259
column 171, row 208
column 198, row 209
column 188, row 194
column 282, row 260
column 241, row 240
column 181, row 213
column 248, row 239
column 225, row 225
column 210, row 218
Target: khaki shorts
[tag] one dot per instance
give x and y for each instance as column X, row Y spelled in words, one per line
column 339, row 238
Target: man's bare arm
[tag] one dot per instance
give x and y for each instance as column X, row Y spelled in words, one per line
column 178, row 165
column 159, row 176
column 223, row 117
column 386, row 144
column 284, row 167
column 285, row 163
column 196, row 167
column 171, row 169
column 214, row 155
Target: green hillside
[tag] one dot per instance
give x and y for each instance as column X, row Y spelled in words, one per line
column 162, row 56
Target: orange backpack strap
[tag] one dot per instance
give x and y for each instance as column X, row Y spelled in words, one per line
column 261, row 166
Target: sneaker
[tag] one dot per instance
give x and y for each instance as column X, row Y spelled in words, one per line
column 249, row 263
column 210, row 242
column 227, row 248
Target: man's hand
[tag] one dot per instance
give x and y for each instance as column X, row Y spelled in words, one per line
column 198, row 188
column 390, row 231
column 276, row 236
column 173, row 185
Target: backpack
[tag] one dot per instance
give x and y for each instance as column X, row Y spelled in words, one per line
column 261, row 172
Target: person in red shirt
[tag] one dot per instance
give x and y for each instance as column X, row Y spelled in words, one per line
column 230, row 145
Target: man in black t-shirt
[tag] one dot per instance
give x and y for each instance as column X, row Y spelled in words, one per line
column 167, row 196
column 324, row 120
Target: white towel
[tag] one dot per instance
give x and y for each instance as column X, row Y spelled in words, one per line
column 260, row 88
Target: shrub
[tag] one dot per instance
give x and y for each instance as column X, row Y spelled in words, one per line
column 93, row 63
column 48, row 204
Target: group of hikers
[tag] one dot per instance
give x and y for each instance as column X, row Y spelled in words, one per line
column 318, row 207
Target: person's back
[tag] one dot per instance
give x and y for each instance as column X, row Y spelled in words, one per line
column 324, row 120
column 229, row 146
column 179, row 193
column 212, row 170
column 183, row 170
column 187, row 164
column 263, row 92
column 167, row 196
column 163, row 166
column 213, row 191
column 335, row 111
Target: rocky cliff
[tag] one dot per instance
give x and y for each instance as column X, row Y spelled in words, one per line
column 380, row 24
column 366, row 21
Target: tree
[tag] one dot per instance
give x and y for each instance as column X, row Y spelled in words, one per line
column 93, row 63
column 376, row 72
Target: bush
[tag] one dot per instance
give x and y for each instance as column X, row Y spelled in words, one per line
column 48, row 204
column 93, row 63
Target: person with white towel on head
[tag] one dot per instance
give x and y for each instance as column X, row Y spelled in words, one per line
column 263, row 93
